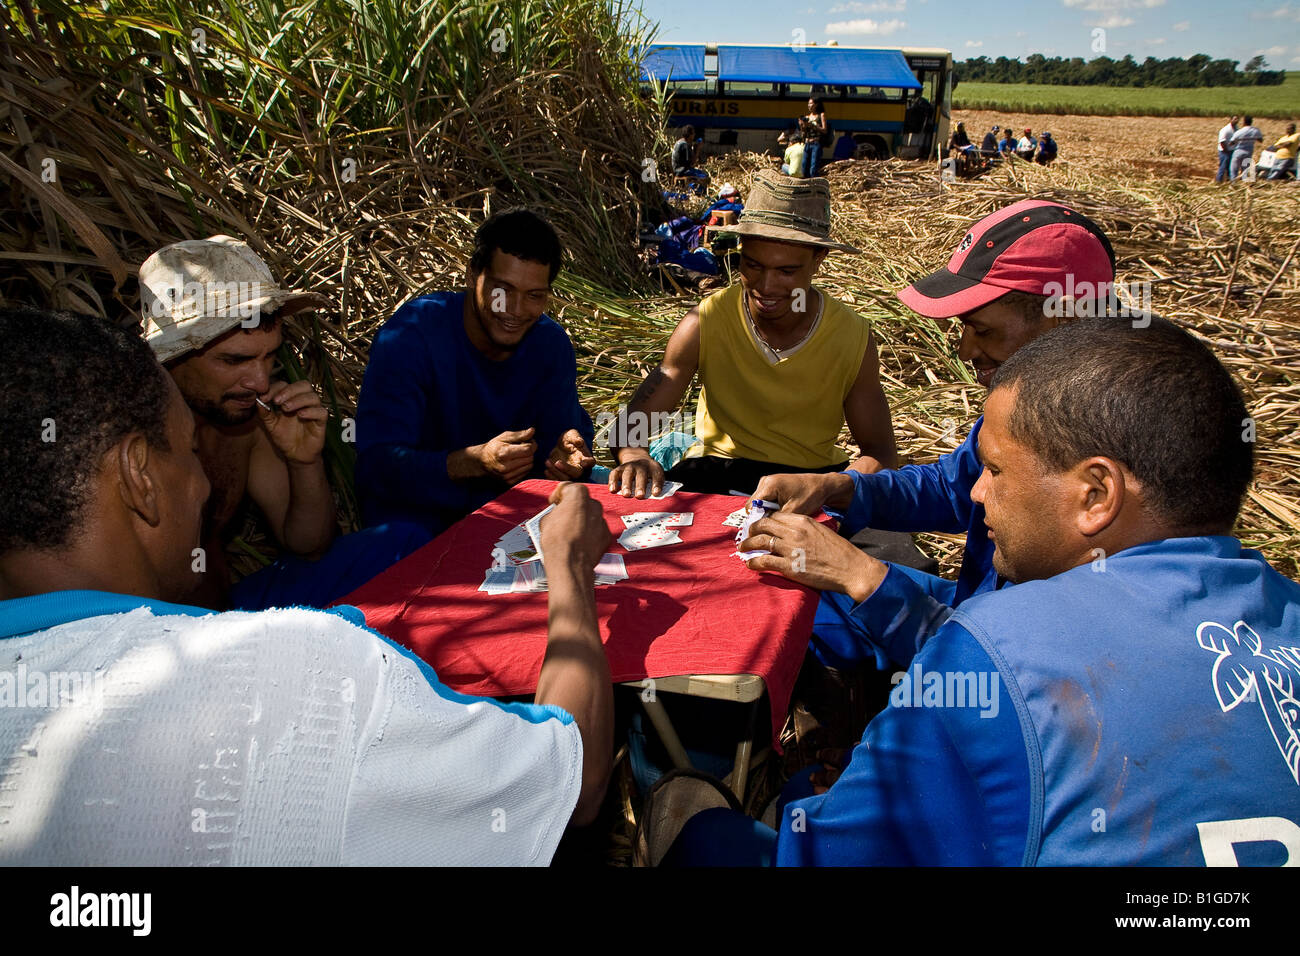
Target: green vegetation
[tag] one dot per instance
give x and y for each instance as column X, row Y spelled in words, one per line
column 355, row 144
column 1273, row 102
column 1198, row 70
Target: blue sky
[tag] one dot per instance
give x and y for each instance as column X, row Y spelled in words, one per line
column 1161, row 28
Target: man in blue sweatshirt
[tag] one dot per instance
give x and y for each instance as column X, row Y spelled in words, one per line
column 1018, row 272
column 1133, row 699
column 468, row 393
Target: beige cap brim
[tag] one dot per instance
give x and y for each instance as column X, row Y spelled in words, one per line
column 173, row 340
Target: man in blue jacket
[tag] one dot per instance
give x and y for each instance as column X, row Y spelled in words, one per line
column 468, row 393
column 1133, row 699
column 1018, row 272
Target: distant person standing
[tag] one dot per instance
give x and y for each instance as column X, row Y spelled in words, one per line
column 1027, row 146
column 1225, row 149
column 1243, row 146
column 815, row 128
column 1046, row 150
column 1284, row 155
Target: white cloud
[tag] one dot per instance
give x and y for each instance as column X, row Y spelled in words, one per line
column 974, row 43
column 1182, row 26
column 1156, row 41
column 877, row 6
column 1272, row 51
column 1284, row 12
column 1110, row 5
column 865, row 27
column 1112, row 21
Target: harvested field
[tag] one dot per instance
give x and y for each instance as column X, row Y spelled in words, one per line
column 1221, row 260
column 1174, row 147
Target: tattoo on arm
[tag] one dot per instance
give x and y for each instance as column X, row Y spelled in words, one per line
column 648, row 386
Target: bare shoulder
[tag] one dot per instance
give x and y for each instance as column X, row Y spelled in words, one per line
column 227, row 460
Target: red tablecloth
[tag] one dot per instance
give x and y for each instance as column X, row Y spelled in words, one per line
column 688, row 608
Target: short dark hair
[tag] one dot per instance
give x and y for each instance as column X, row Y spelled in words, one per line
column 1033, row 308
column 71, row 387
column 1152, row 398
column 520, row 232
column 688, row 133
column 1249, row 119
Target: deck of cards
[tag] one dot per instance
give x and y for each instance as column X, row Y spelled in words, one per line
column 517, row 561
column 757, row 509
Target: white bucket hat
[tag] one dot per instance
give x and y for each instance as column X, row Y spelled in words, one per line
column 195, row 291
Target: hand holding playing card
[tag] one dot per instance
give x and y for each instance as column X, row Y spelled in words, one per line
column 575, row 528
column 807, row 551
column 807, row 494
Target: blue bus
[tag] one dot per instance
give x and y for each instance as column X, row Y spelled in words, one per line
column 893, row 102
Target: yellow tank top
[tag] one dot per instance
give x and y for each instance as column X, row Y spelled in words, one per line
column 790, row 412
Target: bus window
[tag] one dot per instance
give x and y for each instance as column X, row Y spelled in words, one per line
column 692, row 87
column 746, row 88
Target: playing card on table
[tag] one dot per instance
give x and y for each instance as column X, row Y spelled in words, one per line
column 651, row 535
column 530, row 577
column 499, row 580
column 670, row 488
column 534, row 528
column 517, row 546
column 668, row 519
column 611, row 569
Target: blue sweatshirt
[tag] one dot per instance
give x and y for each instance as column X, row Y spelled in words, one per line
column 1137, row 712
column 428, row 392
column 909, row 605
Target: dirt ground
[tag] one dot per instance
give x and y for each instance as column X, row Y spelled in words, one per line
column 1178, row 147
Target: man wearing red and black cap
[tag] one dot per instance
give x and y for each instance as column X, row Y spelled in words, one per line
column 1006, row 283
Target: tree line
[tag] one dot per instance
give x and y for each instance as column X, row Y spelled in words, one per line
column 1198, row 70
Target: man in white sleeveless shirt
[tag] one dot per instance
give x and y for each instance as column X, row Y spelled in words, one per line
column 135, row 731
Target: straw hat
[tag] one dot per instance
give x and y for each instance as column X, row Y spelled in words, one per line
column 787, row 209
column 195, row 291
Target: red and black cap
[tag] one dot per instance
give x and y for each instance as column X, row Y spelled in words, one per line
column 1022, row 248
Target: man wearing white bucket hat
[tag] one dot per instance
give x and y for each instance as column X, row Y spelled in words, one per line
column 212, row 313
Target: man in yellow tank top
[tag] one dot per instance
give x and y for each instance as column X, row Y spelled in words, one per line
column 782, row 365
